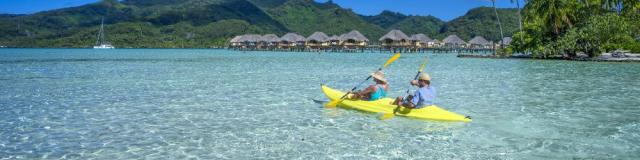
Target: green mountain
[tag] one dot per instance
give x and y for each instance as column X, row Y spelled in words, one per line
column 428, row 25
column 479, row 21
column 388, row 20
column 385, row 19
column 140, row 23
column 482, row 22
column 207, row 23
column 267, row 4
column 306, row 16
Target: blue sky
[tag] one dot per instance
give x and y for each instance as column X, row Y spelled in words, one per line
column 443, row 9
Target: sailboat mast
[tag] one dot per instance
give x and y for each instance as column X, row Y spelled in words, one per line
column 98, row 36
column 101, row 43
column 102, row 31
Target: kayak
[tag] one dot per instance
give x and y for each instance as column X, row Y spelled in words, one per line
column 384, row 106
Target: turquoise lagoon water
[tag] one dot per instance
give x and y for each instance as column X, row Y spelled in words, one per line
column 220, row 104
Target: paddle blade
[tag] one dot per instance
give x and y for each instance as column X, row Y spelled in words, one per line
column 332, row 104
column 390, row 60
column 319, row 101
column 386, row 116
column 422, row 65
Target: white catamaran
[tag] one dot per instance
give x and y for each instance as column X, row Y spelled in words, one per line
column 100, row 43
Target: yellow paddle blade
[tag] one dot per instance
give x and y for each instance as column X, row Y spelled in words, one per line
column 386, row 116
column 332, row 104
column 390, row 60
column 422, row 65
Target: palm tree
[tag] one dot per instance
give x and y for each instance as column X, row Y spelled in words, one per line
column 499, row 24
column 557, row 14
column 618, row 6
column 519, row 18
column 630, row 6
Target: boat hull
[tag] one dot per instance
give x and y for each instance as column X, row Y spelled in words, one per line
column 103, row 47
column 384, row 106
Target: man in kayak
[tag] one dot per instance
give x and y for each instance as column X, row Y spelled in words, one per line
column 424, row 96
column 375, row 91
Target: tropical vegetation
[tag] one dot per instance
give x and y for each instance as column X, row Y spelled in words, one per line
column 569, row 28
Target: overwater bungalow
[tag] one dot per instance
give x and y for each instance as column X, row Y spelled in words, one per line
column 250, row 40
column 291, row 40
column 268, row 41
column 479, row 42
column 435, row 43
column 235, row 42
column 419, row 41
column 454, row 42
column 354, row 40
column 317, row 40
column 395, row 39
column 334, row 41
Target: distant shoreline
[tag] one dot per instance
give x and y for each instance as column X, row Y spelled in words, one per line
column 109, row 49
column 605, row 57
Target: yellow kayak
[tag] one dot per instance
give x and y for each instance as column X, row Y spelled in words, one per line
column 384, row 106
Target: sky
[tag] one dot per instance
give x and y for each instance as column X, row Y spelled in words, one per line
column 443, row 9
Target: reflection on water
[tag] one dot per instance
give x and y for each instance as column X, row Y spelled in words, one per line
column 218, row 104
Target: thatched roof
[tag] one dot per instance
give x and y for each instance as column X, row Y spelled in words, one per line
column 507, row 40
column 453, row 39
column 354, row 35
column 395, row 35
column 270, row 38
column 318, row 37
column 420, row 37
column 479, row 40
column 292, row 37
column 334, row 38
column 235, row 39
column 250, row 38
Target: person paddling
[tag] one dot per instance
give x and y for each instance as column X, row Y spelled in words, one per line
column 375, row 91
column 424, row 96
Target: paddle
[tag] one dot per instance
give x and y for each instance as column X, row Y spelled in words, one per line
column 334, row 103
column 391, row 115
column 319, row 101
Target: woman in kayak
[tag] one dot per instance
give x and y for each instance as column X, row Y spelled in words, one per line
column 376, row 91
column 424, row 96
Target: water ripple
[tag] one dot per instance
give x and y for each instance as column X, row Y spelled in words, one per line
column 217, row 104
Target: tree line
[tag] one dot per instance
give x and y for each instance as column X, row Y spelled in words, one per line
column 553, row 28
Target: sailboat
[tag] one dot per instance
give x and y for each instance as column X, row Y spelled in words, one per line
column 100, row 43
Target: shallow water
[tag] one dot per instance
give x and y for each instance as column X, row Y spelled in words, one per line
column 219, row 104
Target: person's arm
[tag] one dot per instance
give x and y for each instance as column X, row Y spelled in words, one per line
column 370, row 89
column 414, row 83
column 365, row 91
column 413, row 101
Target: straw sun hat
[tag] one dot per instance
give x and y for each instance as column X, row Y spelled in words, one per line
column 379, row 75
column 424, row 76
